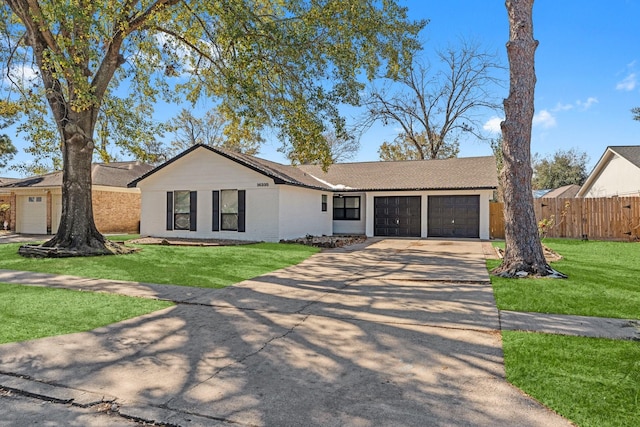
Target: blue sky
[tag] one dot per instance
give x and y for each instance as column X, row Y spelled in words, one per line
column 587, row 66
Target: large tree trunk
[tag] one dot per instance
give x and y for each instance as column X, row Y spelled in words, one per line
column 77, row 234
column 523, row 253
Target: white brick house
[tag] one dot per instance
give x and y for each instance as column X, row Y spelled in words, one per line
column 208, row 192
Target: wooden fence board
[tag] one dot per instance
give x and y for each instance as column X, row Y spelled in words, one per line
column 614, row 218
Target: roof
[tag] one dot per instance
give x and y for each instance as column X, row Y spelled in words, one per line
column 563, row 192
column 4, row 181
column 456, row 173
column 631, row 153
column 115, row 174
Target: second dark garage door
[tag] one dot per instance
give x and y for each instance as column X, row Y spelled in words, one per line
column 397, row 216
column 453, row 216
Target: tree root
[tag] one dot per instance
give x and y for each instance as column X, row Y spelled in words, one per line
column 39, row 251
column 521, row 271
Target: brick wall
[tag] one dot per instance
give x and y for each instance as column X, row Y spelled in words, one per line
column 116, row 212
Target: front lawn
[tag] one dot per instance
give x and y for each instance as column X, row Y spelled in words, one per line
column 604, row 281
column 198, row 266
column 29, row 312
column 591, row 381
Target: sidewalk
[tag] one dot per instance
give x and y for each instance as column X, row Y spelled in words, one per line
column 596, row 327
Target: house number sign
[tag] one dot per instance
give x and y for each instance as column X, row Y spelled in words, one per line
column 263, row 184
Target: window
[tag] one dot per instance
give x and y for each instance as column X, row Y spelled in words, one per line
column 324, row 203
column 37, row 199
column 346, row 208
column 228, row 210
column 181, row 210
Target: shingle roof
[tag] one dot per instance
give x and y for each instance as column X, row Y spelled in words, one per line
column 563, row 192
column 115, row 174
column 457, row 173
column 629, row 152
column 4, row 181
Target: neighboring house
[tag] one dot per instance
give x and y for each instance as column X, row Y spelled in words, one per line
column 566, row 191
column 208, row 192
column 37, row 201
column 617, row 173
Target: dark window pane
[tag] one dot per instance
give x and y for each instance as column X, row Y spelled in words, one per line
column 229, row 221
column 181, row 221
column 352, row 213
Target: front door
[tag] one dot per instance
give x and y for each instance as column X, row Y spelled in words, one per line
column 397, row 216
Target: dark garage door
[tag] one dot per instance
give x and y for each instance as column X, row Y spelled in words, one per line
column 397, row 216
column 453, row 216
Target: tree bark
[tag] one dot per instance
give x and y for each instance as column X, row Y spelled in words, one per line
column 523, row 252
column 77, row 234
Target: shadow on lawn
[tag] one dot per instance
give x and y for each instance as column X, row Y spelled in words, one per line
column 336, row 340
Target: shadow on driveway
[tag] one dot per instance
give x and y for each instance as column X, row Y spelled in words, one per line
column 376, row 337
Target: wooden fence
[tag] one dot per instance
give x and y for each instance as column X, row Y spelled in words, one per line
column 614, row 218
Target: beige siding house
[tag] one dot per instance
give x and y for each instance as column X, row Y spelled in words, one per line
column 37, row 201
column 617, row 173
column 208, row 192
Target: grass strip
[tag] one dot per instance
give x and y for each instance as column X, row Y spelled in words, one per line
column 198, row 266
column 29, row 312
column 591, row 381
column 603, row 281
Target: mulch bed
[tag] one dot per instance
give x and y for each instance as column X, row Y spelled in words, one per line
column 175, row 241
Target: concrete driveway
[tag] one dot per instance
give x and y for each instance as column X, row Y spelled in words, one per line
column 388, row 333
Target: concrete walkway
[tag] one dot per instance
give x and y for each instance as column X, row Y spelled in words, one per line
column 397, row 332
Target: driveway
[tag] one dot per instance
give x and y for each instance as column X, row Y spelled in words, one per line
column 388, row 333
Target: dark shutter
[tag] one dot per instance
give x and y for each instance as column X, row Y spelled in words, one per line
column 241, row 210
column 216, row 211
column 169, row 210
column 193, row 210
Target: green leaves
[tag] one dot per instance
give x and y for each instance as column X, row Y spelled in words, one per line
column 284, row 64
column 560, row 169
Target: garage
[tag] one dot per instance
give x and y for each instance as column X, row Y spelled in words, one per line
column 453, row 216
column 31, row 214
column 397, row 216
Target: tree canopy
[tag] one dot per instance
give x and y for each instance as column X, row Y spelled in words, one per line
column 636, row 113
column 286, row 65
column 564, row 167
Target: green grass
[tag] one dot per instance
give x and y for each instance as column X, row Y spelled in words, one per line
column 604, row 281
column 591, row 381
column 29, row 312
column 198, row 266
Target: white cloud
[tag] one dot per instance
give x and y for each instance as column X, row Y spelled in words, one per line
column 23, row 75
column 493, row 125
column 544, row 119
column 629, row 83
column 562, row 107
column 585, row 105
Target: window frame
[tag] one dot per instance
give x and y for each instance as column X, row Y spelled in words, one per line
column 234, row 192
column 324, row 202
column 345, row 209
